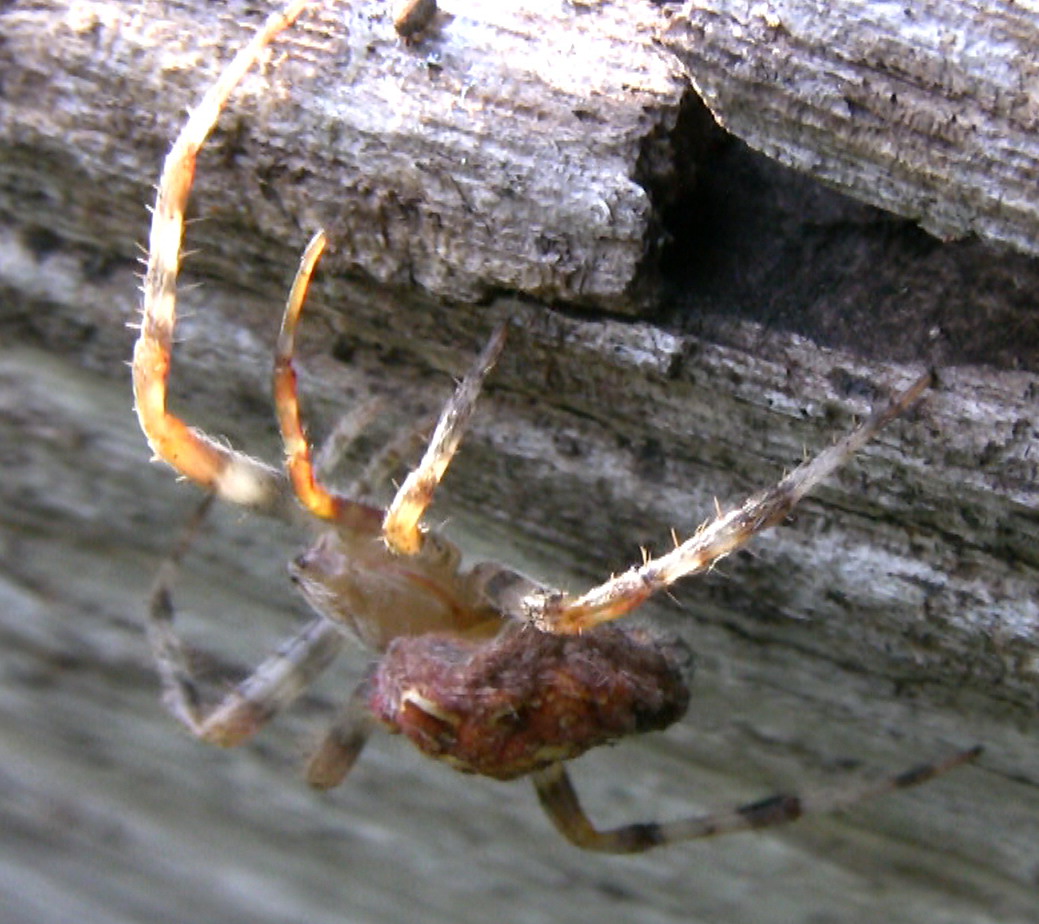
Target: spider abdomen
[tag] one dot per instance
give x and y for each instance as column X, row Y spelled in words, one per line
column 526, row 699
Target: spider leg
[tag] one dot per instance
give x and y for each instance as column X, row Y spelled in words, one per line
column 233, row 475
column 343, row 742
column 555, row 612
column 401, row 525
column 378, row 469
column 342, row 436
column 559, row 800
column 259, row 697
column 381, row 466
column 321, row 502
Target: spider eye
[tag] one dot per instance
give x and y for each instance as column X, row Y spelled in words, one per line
column 437, row 549
column 298, row 565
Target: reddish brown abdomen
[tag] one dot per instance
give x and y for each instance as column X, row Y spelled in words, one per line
column 527, row 698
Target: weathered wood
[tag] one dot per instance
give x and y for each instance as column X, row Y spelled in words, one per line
column 893, row 619
column 447, row 163
column 929, row 110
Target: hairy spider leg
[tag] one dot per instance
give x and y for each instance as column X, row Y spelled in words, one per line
column 321, row 502
column 272, row 686
column 342, row 744
column 559, row 800
column 231, row 474
column 556, row 612
column 401, row 523
column 401, row 528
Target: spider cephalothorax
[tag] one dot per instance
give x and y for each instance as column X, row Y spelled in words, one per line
column 480, row 667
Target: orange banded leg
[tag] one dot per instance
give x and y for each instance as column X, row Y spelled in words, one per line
column 321, row 502
column 555, row 612
column 205, row 461
column 401, row 526
column 559, row 800
column 312, row 495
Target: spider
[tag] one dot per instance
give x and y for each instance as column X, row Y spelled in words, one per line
column 480, row 667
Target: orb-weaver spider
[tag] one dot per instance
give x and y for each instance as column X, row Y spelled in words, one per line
column 481, row 667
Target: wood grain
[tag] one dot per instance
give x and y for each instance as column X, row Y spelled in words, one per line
column 893, row 619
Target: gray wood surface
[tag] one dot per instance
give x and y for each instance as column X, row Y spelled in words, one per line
column 893, row 619
column 927, row 109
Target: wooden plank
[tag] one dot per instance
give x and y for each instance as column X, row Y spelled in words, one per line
column 893, row 619
column 928, row 110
